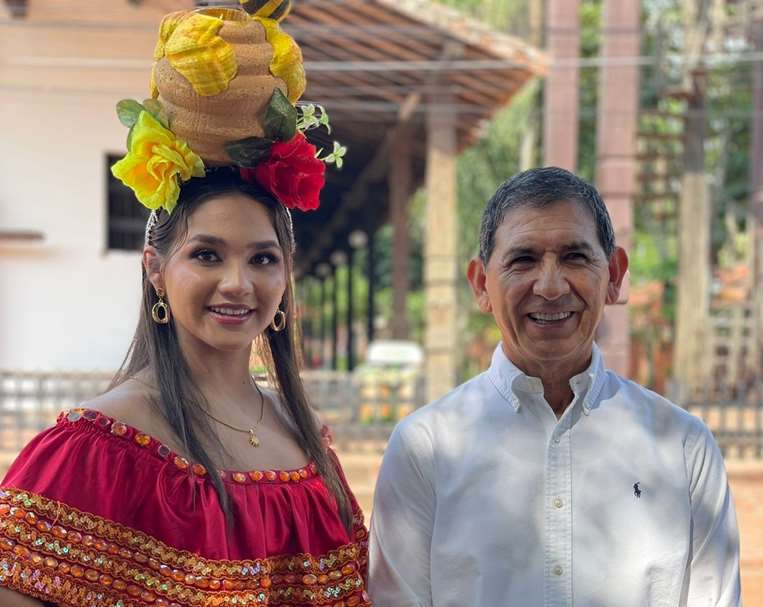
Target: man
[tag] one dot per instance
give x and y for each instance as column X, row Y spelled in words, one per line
column 549, row 480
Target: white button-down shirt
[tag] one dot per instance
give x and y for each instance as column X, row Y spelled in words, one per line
column 485, row 498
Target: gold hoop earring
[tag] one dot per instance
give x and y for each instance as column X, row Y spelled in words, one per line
column 279, row 321
column 160, row 312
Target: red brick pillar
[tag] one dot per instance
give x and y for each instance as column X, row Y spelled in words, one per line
column 560, row 111
column 615, row 150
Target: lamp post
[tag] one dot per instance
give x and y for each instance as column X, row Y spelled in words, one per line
column 357, row 239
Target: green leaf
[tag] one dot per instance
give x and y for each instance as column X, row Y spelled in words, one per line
column 128, row 111
column 129, row 138
column 248, row 152
column 324, row 120
column 280, row 118
column 156, row 109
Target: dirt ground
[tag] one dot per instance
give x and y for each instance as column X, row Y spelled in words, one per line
column 745, row 478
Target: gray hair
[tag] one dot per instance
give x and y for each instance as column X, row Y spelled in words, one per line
column 542, row 187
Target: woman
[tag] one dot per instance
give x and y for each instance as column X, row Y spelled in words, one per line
column 187, row 483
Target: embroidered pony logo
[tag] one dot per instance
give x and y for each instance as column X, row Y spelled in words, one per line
column 637, row 490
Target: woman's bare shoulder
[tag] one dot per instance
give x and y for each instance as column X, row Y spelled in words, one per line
column 131, row 402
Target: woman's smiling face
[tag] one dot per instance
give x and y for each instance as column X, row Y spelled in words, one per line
column 227, row 277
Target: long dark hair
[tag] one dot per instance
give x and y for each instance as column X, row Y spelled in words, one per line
column 155, row 346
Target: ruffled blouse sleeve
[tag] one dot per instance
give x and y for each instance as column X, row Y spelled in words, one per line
column 94, row 513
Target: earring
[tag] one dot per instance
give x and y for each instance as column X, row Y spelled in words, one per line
column 279, row 321
column 160, row 311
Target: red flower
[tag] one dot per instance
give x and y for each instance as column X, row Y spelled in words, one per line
column 291, row 173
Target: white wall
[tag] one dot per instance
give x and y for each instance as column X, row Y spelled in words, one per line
column 66, row 302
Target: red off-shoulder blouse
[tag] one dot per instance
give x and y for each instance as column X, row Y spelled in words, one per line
column 95, row 513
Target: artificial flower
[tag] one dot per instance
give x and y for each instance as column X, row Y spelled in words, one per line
column 292, row 173
column 168, row 25
column 286, row 63
column 154, row 163
column 193, row 47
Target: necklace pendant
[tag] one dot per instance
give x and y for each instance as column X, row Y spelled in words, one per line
column 253, row 440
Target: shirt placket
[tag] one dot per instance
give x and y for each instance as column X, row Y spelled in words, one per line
column 557, row 578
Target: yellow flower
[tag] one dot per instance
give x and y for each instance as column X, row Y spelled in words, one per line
column 195, row 50
column 154, row 162
column 287, row 59
column 168, row 25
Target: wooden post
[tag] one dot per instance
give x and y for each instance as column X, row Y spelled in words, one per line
column 617, row 117
column 440, row 249
column 560, row 101
column 399, row 184
column 693, row 292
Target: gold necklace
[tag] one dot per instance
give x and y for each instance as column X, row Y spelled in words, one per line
column 254, row 440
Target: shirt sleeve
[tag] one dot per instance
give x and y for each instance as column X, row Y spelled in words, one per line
column 714, row 563
column 402, row 521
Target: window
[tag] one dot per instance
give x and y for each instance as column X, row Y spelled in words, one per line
column 126, row 216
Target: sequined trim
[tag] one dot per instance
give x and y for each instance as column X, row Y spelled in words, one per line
column 56, row 553
column 133, row 435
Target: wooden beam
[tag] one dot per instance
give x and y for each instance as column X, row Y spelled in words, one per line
column 21, row 236
column 400, row 185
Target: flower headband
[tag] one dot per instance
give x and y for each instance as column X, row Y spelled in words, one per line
column 223, row 91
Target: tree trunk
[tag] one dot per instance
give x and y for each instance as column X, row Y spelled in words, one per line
column 695, row 210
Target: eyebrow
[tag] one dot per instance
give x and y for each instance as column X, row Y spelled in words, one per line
column 578, row 246
column 217, row 241
column 582, row 246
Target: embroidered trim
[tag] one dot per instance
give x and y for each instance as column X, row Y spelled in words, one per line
column 107, row 424
column 56, row 553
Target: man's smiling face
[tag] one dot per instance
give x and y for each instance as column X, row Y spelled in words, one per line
column 546, row 284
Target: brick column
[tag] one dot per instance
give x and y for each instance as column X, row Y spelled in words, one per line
column 617, row 117
column 440, row 251
column 560, row 100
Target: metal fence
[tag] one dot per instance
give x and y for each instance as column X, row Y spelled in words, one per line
column 361, row 410
column 30, row 401
column 735, row 415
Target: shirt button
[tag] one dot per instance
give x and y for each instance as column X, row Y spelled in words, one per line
column 558, row 502
column 557, row 570
column 556, row 439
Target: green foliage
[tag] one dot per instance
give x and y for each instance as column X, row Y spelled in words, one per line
column 280, row 118
column 128, row 111
column 249, row 151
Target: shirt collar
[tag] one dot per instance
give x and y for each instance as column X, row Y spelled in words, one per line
column 512, row 383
